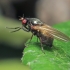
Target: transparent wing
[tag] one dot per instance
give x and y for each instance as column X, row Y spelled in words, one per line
column 53, row 32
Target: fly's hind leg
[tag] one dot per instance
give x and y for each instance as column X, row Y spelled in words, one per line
column 39, row 36
column 41, row 45
column 50, row 42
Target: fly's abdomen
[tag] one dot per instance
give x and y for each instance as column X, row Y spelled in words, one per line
column 47, row 40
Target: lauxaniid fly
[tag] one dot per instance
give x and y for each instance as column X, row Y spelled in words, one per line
column 44, row 32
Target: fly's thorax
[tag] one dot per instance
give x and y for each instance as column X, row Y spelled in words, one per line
column 34, row 21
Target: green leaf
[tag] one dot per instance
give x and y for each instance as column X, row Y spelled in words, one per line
column 55, row 58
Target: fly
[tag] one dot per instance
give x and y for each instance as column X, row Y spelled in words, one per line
column 44, row 32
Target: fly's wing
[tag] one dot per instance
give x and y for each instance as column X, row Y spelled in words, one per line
column 53, row 32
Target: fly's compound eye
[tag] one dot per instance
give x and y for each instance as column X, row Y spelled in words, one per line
column 24, row 21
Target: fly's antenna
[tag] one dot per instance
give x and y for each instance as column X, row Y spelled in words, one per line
column 19, row 16
column 23, row 16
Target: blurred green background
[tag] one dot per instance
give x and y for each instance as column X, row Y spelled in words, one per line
column 12, row 44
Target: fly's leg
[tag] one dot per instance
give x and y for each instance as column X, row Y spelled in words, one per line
column 39, row 36
column 37, row 39
column 25, row 29
column 31, row 37
column 50, row 42
column 16, row 29
column 41, row 45
column 12, row 28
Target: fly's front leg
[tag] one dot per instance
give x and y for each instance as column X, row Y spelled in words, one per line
column 25, row 29
column 16, row 29
column 12, row 28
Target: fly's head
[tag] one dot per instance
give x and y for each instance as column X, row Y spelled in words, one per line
column 24, row 21
column 24, row 26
